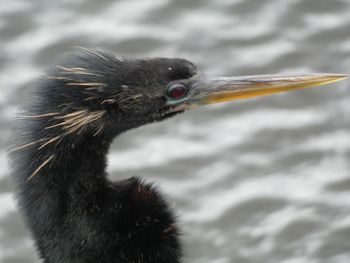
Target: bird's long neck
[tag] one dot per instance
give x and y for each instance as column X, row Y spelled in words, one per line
column 55, row 177
column 62, row 159
column 76, row 214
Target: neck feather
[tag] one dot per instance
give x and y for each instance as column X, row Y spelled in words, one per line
column 76, row 214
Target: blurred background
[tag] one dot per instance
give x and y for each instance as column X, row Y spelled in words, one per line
column 262, row 180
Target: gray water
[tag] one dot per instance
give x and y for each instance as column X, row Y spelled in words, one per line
column 261, row 180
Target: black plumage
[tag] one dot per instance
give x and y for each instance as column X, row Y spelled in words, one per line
column 61, row 140
column 59, row 160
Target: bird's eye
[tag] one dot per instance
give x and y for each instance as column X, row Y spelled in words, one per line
column 176, row 91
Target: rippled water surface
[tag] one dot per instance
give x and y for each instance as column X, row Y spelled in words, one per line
column 263, row 180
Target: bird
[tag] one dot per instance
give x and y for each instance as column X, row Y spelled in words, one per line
column 61, row 140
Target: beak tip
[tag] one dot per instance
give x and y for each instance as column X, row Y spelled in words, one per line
column 336, row 77
column 343, row 76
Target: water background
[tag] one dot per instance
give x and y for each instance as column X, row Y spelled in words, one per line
column 262, row 180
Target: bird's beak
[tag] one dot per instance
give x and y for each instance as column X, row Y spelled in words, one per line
column 208, row 90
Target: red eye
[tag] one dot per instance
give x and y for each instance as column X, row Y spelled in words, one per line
column 177, row 91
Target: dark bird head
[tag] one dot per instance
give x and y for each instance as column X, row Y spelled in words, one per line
column 110, row 94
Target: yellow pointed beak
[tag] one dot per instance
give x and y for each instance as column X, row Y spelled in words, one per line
column 217, row 90
column 228, row 89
